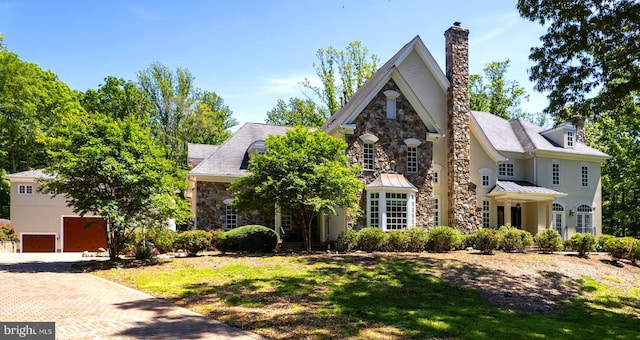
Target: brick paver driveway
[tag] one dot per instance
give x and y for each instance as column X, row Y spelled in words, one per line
column 43, row 287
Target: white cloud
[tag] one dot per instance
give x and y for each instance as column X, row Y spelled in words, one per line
column 288, row 86
column 506, row 21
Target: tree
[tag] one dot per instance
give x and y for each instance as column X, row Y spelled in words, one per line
column 589, row 55
column 298, row 111
column 113, row 168
column 5, row 193
column 118, row 98
column 210, row 122
column 303, row 172
column 619, row 136
column 342, row 73
column 498, row 95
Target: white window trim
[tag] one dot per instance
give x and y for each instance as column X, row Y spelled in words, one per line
column 382, row 207
column 570, row 138
column 585, row 165
column 436, row 211
column 391, row 108
column 489, row 173
column 556, row 162
column 488, row 213
column 564, row 217
column 582, row 214
column 228, row 206
column 506, row 175
column 436, row 169
column 368, row 139
column 28, row 189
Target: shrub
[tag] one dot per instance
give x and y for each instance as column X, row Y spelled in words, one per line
column 417, row 238
column 582, row 243
column 467, row 241
column 8, row 233
column 486, row 240
column 617, row 248
column 513, row 239
column 442, row 239
column 371, row 239
column 347, row 241
column 548, row 241
column 193, row 241
column 146, row 253
column 160, row 238
column 634, row 249
column 601, row 240
column 398, row 240
column 252, row 238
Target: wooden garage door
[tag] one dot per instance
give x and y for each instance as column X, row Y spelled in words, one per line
column 38, row 243
column 82, row 234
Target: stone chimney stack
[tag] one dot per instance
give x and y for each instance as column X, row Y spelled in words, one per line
column 578, row 122
column 462, row 214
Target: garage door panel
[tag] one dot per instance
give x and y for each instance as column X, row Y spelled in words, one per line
column 38, row 243
column 82, row 234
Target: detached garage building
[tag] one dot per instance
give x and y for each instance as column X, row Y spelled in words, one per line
column 45, row 223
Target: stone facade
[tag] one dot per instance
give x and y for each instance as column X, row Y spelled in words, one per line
column 211, row 209
column 462, row 202
column 391, row 151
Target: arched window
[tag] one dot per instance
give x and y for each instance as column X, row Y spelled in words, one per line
column 585, row 220
column 557, row 211
column 369, row 151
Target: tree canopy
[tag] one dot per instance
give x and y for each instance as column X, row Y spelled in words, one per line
column 119, row 98
column 298, row 111
column 112, row 167
column 303, row 172
column 589, row 55
column 494, row 93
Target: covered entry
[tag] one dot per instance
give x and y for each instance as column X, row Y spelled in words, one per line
column 83, row 233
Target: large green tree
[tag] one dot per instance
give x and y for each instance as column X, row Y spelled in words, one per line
column 114, row 168
column 342, row 73
column 589, row 55
column 119, row 98
column 619, row 136
column 494, row 93
column 298, row 111
column 303, row 172
column 210, row 122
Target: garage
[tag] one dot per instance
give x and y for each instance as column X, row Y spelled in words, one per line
column 38, row 243
column 83, row 233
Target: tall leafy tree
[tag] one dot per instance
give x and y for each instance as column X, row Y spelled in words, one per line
column 342, row 73
column 114, row 168
column 298, row 111
column 589, row 55
column 494, row 93
column 210, row 122
column 118, row 98
column 304, row 172
column 619, row 136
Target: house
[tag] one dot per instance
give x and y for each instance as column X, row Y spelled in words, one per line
column 428, row 159
column 45, row 223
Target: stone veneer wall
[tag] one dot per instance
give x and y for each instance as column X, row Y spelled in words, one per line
column 390, row 147
column 211, row 210
column 462, row 202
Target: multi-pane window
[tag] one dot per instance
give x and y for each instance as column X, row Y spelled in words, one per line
column 369, row 156
column 486, row 210
column 231, row 218
column 584, row 219
column 412, row 159
column 396, row 211
column 555, row 173
column 584, row 178
column 436, row 178
column 570, row 138
column 25, row 189
column 558, row 217
column 436, row 212
column 505, row 169
column 485, row 180
column 285, row 222
column 374, row 209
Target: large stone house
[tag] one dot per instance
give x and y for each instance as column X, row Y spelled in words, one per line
column 428, row 159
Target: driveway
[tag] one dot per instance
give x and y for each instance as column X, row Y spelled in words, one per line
column 44, row 287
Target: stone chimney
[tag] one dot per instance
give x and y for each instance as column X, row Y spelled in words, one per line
column 461, row 204
column 578, row 122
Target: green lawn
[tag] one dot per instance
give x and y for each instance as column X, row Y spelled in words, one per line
column 363, row 297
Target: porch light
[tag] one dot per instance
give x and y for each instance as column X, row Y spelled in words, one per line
column 570, row 212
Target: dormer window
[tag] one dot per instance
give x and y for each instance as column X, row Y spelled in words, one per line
column 570, row 138
column 391, row 103
column 257, row 147
column 369, row 151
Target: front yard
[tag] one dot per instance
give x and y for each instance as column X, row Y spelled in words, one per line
column 407, row 295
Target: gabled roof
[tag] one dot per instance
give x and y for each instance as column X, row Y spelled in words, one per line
column 228, row 158
column 520, row 136
column 372, row 86
column 29, row 174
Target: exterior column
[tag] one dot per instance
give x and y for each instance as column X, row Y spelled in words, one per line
column 278, row 221
column 549, row 216
column 507, row 211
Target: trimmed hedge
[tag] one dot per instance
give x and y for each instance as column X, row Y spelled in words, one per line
column 548, row 241
column 582, row 243
column 252, row 238
column 512, row 239
column 347, row 241
column 193, row 241
column 371, row 239
column 601, row 240
column 417, row 238
column 443, row 239
column 398, row 240
column 486, row 240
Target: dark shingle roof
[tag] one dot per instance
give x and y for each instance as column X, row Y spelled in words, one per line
column 227, row 160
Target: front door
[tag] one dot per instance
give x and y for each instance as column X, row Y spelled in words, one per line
column 516, row 217
column 558, row 222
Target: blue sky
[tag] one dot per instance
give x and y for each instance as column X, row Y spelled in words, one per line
column 252, row 53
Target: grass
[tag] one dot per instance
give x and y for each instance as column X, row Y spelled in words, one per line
column 371, row 297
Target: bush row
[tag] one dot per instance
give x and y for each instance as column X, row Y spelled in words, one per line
column 252, row 238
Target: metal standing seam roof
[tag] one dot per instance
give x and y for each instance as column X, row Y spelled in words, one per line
column 522, row 187
column 395, row 181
